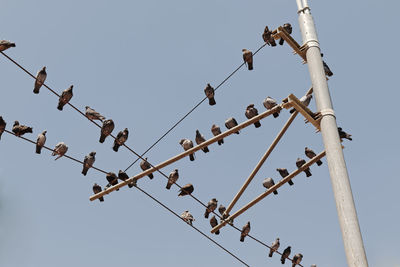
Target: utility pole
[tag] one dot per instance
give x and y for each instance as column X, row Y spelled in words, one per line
column 353, row 243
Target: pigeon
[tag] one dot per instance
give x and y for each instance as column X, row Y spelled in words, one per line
column 216, row 131
column 297, row 259
column 268, row 183
column 65, row 97
column 245, row 231
column 4, row 45
column 88, row 162
column 300, row 162
column 106, row 130
column 221, row 209
column 285, row 254
column 288, row 29
column 60, row 149
column 283, row 172
column 144, row 165
column 248, row 58
column 274, row 247
column 211, row 206
column 251, row 112
column 267, row 37
column 313, row 265
column 343, row 134
column 186, row 190
column 92, row 114
column 20, row 130
column 96, row 190
column 269, row 103
column 187, row 144
column 40, row 78
column 172, row 178
column 305, row 100
column 112, row 179
column 40, row 141
column 187, row 217
column 230, row 123
column 310, row 154
column 2, row 126
column 123, row 177
column 213, row 223
column 200, row 139
column 327, row 70
column 121, row 138
column 209, row 91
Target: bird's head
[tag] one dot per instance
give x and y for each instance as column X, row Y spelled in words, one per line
column 126, row 130
column 70, row 88
column 87, row 107
column 44, row 132
column 250, row 106
column 197, row 132
column 181, row 142
column 17, row 123
column 244, row 50
column 93, row 153
column 176, row 170
column 44, row 68
column 214, row 200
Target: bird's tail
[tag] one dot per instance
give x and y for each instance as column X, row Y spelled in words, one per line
column 58, row 157
column 242, row 238
column 348, row 136
column 250, row 65
column 206, row 214
column 308, row 172
column 272, row 42
column 38, row 149
column 275, row 192
column 205, row 150
column 257, row 124
column 319, row 163
column 217, row 232
column 85, row 170
column 293, row 264
column 60, row 106
column 151, row 176
column 292, row 110
column 220, row 142
column 36, row 89
column 102, row 138
column 211, row 101
column 168, row 186
column 29, row 130
column 281, row 41
column 116, row 146
column 101, row 199
column 270, row 253
column 191, row 156
column 290, row 182
column 2, row 134
column 237, row 132
column 276, row 115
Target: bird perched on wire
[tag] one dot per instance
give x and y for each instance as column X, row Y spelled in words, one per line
column 230, row 123
column 20, row 130
column 268, row 183
column 172, row 178
column 270, row 103
column 92, row 114
column 248, row 58
column 305, row 100
column 112, row 179
column 88, row 162
column 106, row 130
column 251, row 112
column 97, row 189
column 213, row 223
column 288, row 28
column 3, row 125
column 210, row 92
column 267, row 37
column 144, row 165
column 245, row 231
column 186, row 190
column 310, row 154
column 65, row 97
column 187, row 144
column 283, row 172
column 216, row 131
column 211, row 206
column 300, row 162
column 40, row 141
column 297, row 259
column 274, row 247
column 343, row 134
column 4, row 45
column 40, row 78
column 200, row 139
column 221, row 209
column 285, row 254
column 60, row 149
column 121, row 138
column 187, row 217
column 123, row 177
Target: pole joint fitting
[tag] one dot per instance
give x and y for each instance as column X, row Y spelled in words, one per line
column 328, row 111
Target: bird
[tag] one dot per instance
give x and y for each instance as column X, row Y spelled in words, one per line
column 251, row 112
column 187, row 144
column 310, row 154
column 297, row 259
column 172, row 178
column 210, row 92
column 283, row 172
column 268, row 183
column 60, row 149
column 230, row 123
column 40, row 78
column 144, row 165
column 221, row 209
column 313, row 265
column 3, row 125
column 211, row 206
column 285, row 254
column 186, row 190
column 200, row 139
column 288, row 29
column 213, row 223
column 112, row 179
column 20, row 130
column 65, row 97
column 187, row 217
column 245, row 231
column 88, row 162
column 274, row 247
column 216, row 131
column 269, row 103
column 123, row 177
column 106, row 130
column 305, row 100
column 343, row 134
column 4, row 45
column 248, row 58
column 121, row 138
column 92, row 114
column 97, row 189
column 300, row 162
column 267, row 37
column 40, row 141
column 327, row 70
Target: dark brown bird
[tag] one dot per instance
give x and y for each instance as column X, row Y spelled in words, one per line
column 200, row 139
column 274, row 247
column 213, row 223
column 186, row 190
column 297, row 259
column 216, row 131
column 230, row 123
column 343, row 134
column 248, row 58
column 221, row 209
column 3, row 125
column 97, row 189
column 285, row 254
column 20, row 130
column 310, row 154
column 112, row 179
column 4, row 45
column 106, row 130
column 211, row 206
column 172, row 178
column 123, row 177
column 267, row 37
column 121, row 138
column 245, row 231
column 288, row 29
column 251, row 112
column 88, row 162
column 300, row 162
column 40, row 141
column 269, row 103
column 283, row 172
column 210, row 92
column 144, row 165
column 65, row 97
column 40, row 78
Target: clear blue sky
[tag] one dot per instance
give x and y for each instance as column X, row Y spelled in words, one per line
column 145, row 64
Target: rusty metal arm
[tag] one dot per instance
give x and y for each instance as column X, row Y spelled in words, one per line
column 305, row 111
